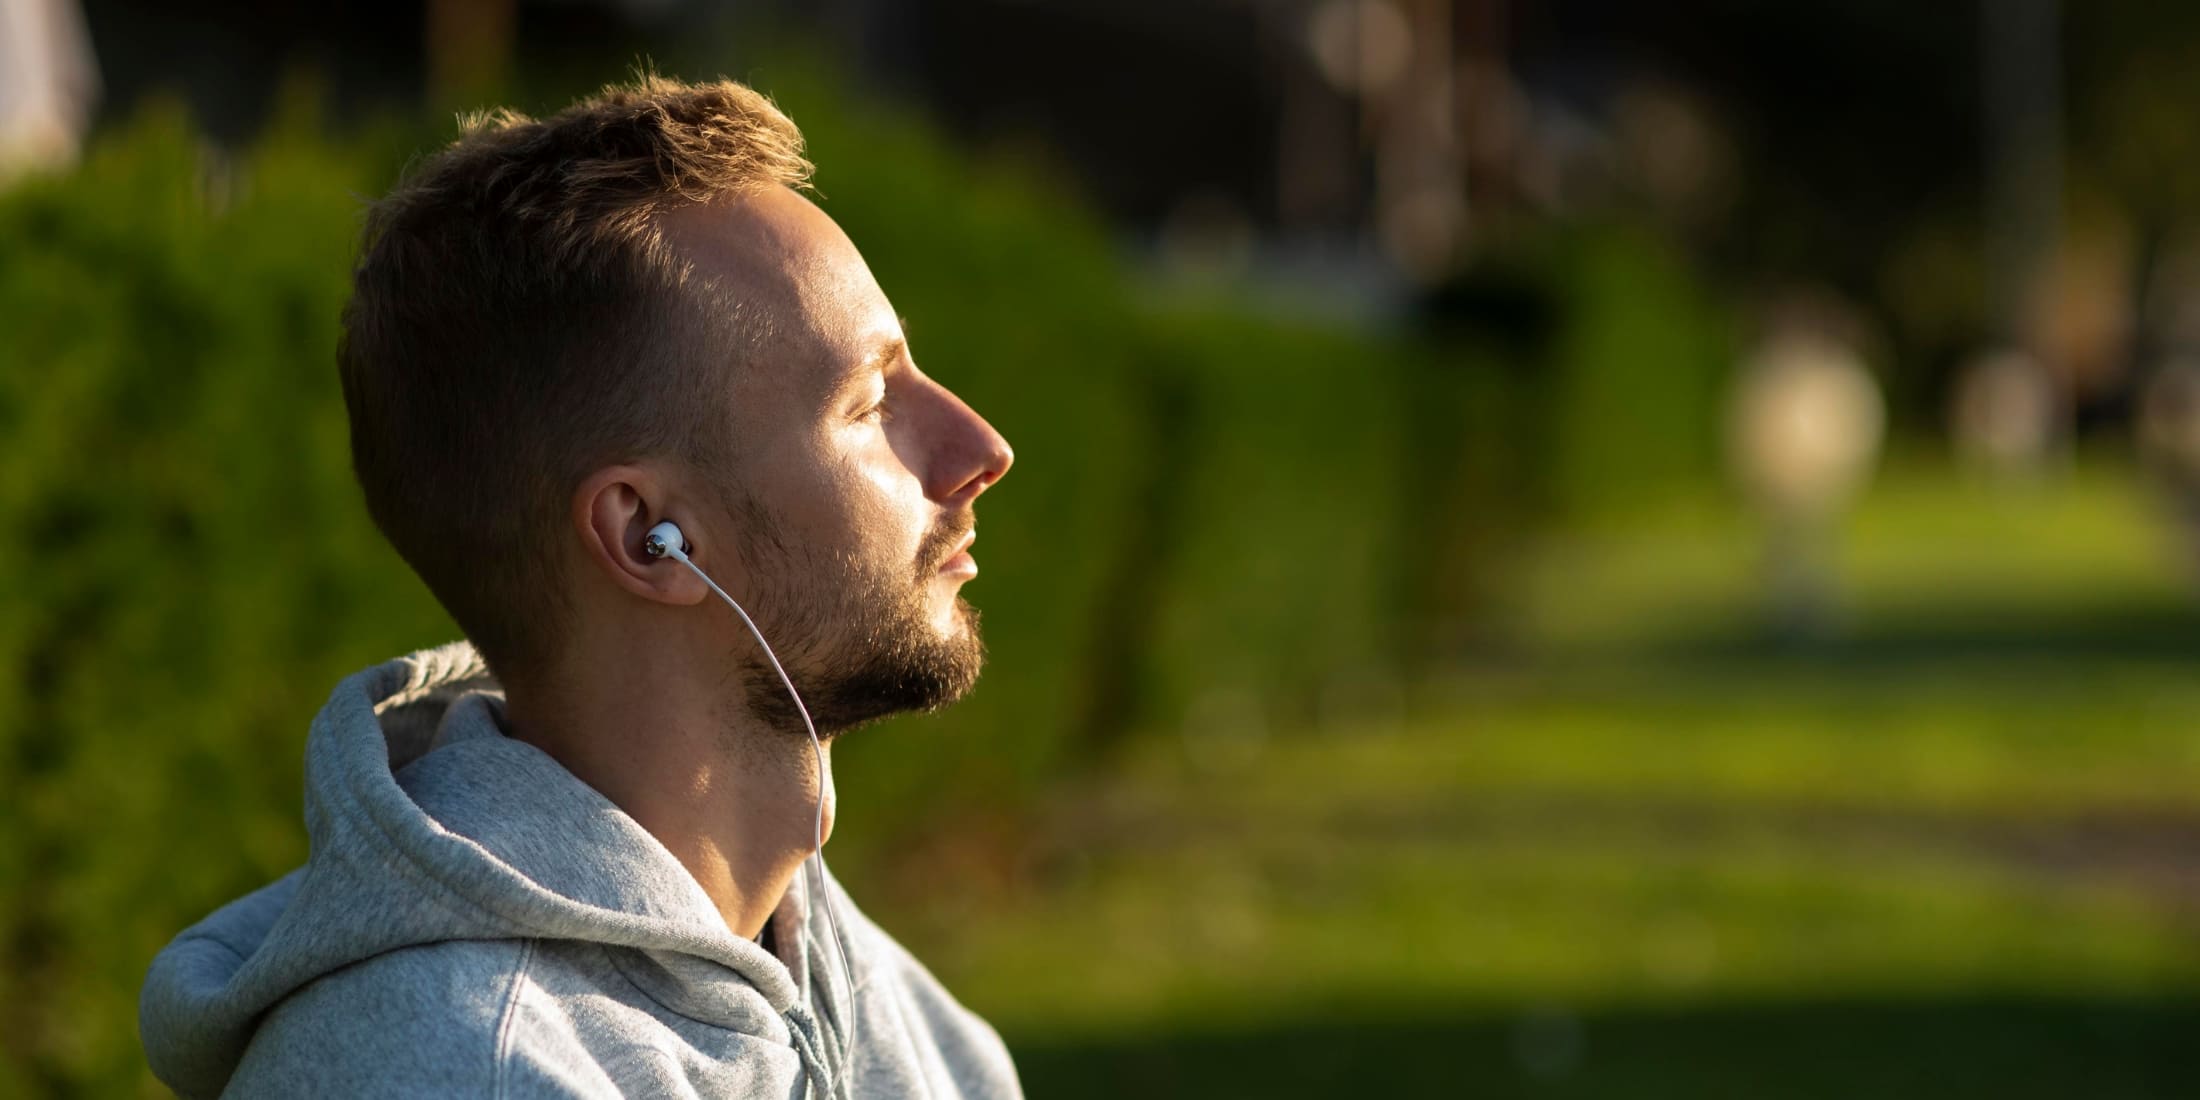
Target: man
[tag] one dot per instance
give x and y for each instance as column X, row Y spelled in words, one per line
column 562, row 860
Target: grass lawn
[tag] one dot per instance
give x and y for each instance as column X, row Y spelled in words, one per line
column 1952, row 848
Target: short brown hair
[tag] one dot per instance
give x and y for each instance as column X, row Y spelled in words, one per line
column 517, row 321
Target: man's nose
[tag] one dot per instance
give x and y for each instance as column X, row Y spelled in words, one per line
column 972, row 455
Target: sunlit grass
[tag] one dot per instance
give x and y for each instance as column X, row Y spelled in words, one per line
column 1925, row 547
column 1613, row 848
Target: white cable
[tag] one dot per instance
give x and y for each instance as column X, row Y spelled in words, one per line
column 817, row 853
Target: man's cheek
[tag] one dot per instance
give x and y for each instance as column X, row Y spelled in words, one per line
column 881, row 503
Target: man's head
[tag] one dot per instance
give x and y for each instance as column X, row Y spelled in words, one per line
column 564, row 331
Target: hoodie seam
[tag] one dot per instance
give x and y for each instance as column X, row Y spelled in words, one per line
column 611, row 954
column 798, row 1040
column 509, row 1014
column 612, row 957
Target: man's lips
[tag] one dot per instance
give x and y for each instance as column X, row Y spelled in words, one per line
column 960, row 564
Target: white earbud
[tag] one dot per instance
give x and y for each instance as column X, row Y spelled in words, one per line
column 665, row 541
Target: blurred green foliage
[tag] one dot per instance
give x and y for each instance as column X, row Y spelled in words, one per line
column 191, row 568
column 1638, row 372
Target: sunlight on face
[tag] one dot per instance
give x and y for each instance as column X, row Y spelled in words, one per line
column 852, row 484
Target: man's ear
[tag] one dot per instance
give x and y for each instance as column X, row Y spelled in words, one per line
column 613, row 510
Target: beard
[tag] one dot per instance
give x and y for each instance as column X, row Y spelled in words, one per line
column 855, row 636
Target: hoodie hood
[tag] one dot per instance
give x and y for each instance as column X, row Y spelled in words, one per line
column 427, row 824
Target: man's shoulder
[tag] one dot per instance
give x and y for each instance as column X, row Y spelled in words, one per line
column 421, row 1017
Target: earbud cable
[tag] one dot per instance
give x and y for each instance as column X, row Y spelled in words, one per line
column 817, row 748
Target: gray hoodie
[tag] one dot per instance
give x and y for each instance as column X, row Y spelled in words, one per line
column 474, row 920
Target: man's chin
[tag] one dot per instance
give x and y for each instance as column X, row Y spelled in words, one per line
column 956, row 662
column 921, row 680
column 956, row 621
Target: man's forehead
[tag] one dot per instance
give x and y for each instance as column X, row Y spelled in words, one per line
column 772, row 227
column 776, row 251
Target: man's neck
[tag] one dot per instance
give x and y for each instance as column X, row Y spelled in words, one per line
column 732, row 799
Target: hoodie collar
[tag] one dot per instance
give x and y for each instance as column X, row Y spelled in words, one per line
column 428, row 824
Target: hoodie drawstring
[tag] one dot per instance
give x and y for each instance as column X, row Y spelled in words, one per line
column 809, row 1045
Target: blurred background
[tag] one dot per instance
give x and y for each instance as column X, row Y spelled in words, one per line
column 1572, row 549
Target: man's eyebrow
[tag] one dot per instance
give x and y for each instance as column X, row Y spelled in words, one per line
column 887, row 352
column 844, row 381
column 879, row 359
